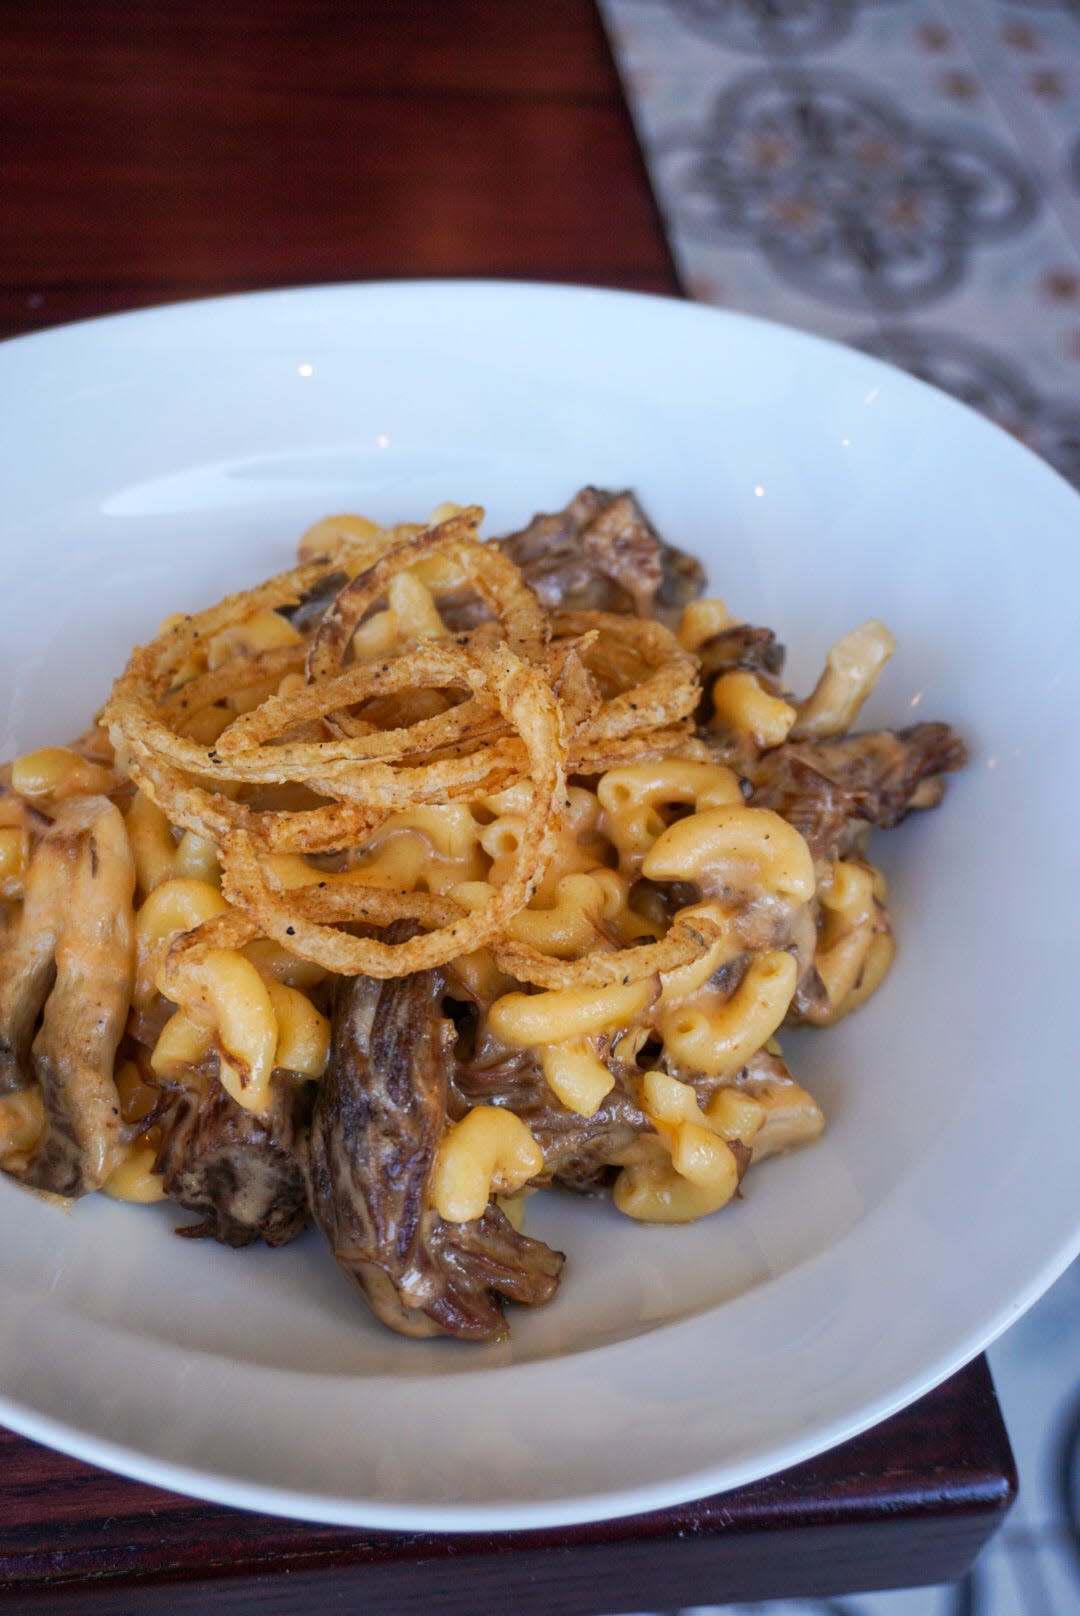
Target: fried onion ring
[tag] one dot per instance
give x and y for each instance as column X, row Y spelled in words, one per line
column 496, row 580
column 525, row 700
column 685, row 941
column 525, row 706
column 671, row 691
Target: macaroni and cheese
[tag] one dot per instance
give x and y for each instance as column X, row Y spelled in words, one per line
column 431, row 873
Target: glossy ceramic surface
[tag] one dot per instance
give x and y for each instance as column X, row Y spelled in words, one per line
column 154, row 461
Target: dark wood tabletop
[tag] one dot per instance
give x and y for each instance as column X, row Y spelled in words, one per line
column 164, row 149
column 156, row 150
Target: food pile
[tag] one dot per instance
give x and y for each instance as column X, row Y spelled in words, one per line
column 432, row 872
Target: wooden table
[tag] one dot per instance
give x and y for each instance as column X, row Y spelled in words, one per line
column 910, row 1502
column 163, row 149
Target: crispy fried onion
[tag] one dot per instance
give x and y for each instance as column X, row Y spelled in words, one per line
column 494, row 578
column 525, row 701
column 275, row 751
column 619, row 647
column 686, row 940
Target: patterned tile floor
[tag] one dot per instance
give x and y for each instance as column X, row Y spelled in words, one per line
column 903, row 175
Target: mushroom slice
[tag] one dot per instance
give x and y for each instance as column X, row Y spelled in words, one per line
column 66, row 973
column 581, row 1153
column 379, row 1115
column 599, row 554
column 243, row 1171
column 831, row 791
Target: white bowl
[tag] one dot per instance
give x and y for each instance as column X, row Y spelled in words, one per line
column 153, row 461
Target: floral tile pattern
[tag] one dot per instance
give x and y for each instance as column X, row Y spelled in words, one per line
column 843, row 194
column 904, row 176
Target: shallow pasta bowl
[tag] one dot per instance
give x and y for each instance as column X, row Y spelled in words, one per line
column 153, row 462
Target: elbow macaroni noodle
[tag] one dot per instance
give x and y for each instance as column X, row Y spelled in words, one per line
column 743, row 704
column 648, row 851
column 489, row 1152
column 717, row 1035
column 852, row 669
column 734, row 850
